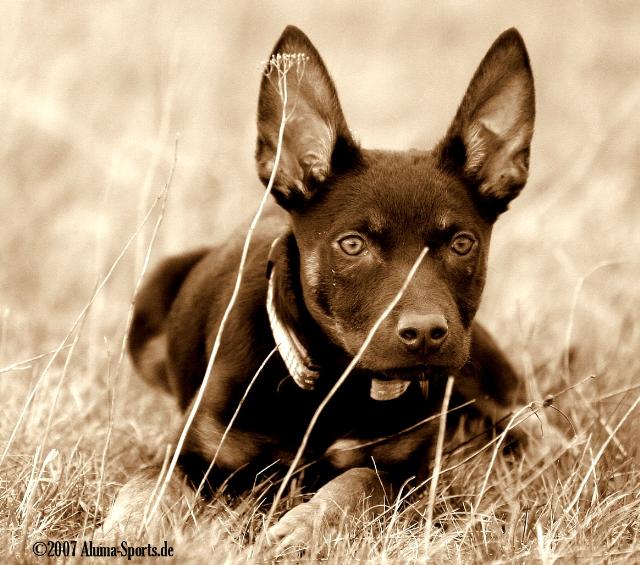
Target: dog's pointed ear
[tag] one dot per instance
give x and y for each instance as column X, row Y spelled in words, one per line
column 490, row 137
column 316, row 140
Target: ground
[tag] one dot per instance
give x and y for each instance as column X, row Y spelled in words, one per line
column 99, row 99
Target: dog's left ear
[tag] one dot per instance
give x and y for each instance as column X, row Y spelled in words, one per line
column 316, row 140
column 489, row 140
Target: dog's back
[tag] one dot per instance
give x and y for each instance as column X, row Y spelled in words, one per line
column 184, row 297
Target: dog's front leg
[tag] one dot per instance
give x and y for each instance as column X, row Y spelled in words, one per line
column 355, row 493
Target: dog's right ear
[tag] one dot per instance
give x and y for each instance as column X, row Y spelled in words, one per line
column 316, row 141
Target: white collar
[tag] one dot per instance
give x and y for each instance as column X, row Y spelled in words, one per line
column 293, row 353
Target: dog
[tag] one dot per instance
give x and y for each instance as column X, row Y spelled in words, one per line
column 345, row 229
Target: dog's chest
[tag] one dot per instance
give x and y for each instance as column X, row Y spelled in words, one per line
column 353, row 427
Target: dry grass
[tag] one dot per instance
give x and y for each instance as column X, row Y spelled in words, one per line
column 93, row 97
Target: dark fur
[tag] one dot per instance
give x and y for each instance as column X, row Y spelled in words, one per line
column 397, row 202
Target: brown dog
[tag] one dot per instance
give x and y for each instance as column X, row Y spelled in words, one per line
column 350, row 224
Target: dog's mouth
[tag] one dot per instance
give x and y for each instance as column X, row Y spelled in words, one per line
column 392, row 383
column 413, row 373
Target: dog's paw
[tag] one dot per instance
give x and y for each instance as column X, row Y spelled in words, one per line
column 297, row 529
column 351, row 495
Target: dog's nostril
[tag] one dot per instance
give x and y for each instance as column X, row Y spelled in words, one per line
column 409, row 334
column 438, row 333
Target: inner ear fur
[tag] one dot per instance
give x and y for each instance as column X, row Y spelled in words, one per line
column 490, row 137
column 315, row 127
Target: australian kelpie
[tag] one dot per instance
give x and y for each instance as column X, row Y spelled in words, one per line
column 321, row 269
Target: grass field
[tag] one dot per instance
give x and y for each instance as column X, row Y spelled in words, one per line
column 93, row 97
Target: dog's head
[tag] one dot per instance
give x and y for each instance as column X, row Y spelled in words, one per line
column 360, row 218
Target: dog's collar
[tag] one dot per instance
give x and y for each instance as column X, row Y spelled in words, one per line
column 296, row 357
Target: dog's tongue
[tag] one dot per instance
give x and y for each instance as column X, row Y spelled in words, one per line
column 387, row 390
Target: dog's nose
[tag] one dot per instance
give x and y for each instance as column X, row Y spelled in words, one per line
column 422, row 331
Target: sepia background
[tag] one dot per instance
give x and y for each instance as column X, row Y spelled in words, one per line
column 93, row 98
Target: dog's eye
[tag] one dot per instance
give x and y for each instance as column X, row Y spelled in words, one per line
column 462, row 244
column 352, row 244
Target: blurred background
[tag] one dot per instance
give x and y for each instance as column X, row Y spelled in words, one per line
column 94, row 94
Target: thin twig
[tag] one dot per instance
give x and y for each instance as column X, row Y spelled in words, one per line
column 24, row 364
column 233, row 419
column 111, row 386
column 574, row 306
column 513, row 422
column 74, row 326
column 566, row 361
column 438, row 462
column 236, row 289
